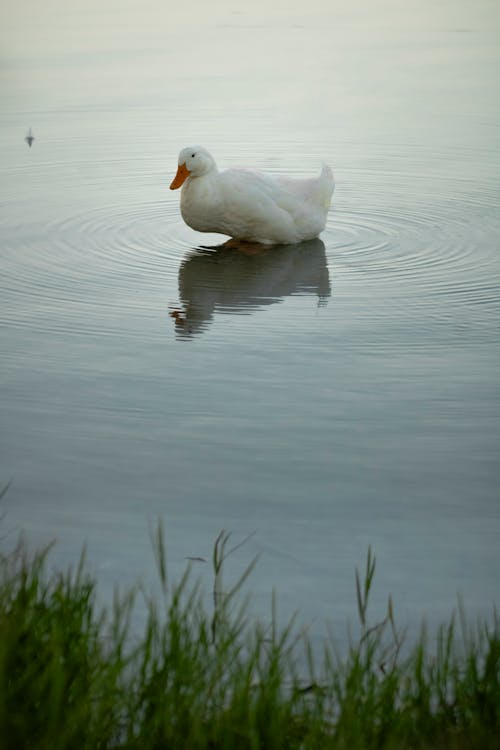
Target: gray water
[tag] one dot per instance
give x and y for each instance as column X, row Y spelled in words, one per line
column 326, row 396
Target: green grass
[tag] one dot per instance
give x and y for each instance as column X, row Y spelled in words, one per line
column 75, row 676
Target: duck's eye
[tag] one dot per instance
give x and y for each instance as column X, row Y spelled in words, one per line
column 192, row 156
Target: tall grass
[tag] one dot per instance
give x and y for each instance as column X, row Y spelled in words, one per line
column 73, row 675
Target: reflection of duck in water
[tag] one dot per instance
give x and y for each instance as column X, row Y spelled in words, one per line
column 241, row 278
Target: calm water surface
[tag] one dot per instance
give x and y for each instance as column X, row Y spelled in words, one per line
column 325, row 396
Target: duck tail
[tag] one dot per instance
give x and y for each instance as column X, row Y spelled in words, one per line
column 327, row 174
column 326, row 183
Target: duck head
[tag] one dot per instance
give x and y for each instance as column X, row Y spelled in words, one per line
column 194, row 161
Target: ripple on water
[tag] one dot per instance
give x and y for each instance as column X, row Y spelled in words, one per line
column 428, row 248
column 90, row 263
column 396, row 251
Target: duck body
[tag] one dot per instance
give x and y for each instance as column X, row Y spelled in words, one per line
column 250, row 205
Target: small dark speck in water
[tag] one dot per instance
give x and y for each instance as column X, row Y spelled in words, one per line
column 29, row 138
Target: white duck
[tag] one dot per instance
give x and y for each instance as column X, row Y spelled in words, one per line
column 250, row 205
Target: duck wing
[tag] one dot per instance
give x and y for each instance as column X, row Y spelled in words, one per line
column 258, row 206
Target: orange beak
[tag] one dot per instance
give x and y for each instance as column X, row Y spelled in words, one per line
column 182, row 175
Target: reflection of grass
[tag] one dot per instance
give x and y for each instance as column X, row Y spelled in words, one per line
column 72, row 677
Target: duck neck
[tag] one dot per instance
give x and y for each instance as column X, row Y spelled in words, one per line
column 201, row 201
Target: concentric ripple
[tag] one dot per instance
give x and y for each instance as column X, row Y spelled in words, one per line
column 392, row 242
column 89, row 269
column 434, row 248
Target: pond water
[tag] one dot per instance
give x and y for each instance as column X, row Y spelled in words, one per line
column 323, row 397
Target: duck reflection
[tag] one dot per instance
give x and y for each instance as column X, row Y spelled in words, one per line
column 239, row 277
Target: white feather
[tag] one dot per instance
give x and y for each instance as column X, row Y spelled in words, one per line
column 251, row 205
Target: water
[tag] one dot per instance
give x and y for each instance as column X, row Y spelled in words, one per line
column 326, row 396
